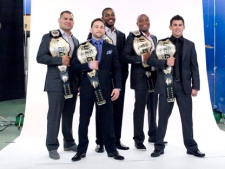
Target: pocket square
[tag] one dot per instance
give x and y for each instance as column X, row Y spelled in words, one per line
column 109, row 52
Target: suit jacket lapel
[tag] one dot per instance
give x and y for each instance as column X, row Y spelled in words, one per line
column 75, row 42
column 154, row 40
column 184, row 49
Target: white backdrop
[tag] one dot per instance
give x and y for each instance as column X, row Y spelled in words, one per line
column 29, row 149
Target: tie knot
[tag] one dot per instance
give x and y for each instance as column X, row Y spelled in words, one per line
column 97, row 42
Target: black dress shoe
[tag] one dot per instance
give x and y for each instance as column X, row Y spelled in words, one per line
column 140, row 146
column 196, row 153
column 157, row 153
column 154, row 141
column 78, row 156
column 116, row 156
column 121, row 146
column 99, row 148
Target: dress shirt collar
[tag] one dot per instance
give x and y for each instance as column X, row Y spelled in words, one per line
column 109, row 30
column 173, row 39
column 94, row 40
column 64, row 33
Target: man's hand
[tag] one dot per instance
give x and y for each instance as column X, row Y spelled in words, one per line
column 115, row 94
column 66, row 60
column 170, row 61
column 94, row 65
column 194, row 92
column 146, row 56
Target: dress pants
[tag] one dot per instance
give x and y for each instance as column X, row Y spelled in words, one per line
column 184, row 103
column 117, row 115
column 105, row 116
column 59, row 106
column 144, row 98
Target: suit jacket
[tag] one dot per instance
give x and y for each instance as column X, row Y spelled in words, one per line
column 189, row 71
column 109, row 62
column 137, row 78
column 120, row 43
column 53, row 80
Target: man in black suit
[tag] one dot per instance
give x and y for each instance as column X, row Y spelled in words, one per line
column 58, row 105
column 107, row 61
column 118, row 38
column 139, row 83
column 186, row 83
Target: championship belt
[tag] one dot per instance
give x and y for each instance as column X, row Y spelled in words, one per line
column 86, row 52
column 141, row 46
column 107, row 39
column 59, row 47
column 165, row 49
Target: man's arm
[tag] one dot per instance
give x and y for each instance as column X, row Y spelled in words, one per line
column 116, row 75
column 44, row 56
column 160, row 64
column 129, row 54
column 194, row 69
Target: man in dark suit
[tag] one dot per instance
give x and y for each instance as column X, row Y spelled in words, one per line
column 186, row 83
column 107, row 61
column 139, row 83
column 118, row 38
column 58, row 105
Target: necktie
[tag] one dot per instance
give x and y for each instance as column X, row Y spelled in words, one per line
column 177, row 62
column 98, row 46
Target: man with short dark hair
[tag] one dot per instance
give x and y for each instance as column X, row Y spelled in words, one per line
column 107, row 61
column 186, row 83
column 55, row 55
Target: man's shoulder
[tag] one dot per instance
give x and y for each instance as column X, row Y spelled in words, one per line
column 153, row 36
column 187, row 41
column 119, row 32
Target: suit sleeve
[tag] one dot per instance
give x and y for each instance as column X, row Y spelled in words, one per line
column 194, row 69
column 129, row 55
column 116, row 69
column 77, row 67
column 89, row 36
column 44, row 56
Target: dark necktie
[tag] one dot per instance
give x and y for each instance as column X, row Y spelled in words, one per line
column 177, row 60
column 97, row 45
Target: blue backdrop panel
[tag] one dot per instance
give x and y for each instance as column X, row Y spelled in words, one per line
column 208, row 10
column 214, row 22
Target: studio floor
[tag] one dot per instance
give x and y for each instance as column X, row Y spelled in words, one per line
column 28, row 151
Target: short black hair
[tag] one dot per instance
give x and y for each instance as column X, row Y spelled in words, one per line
column 97, row 19
column 65, row 12
column 105, row 10
column 176, row 17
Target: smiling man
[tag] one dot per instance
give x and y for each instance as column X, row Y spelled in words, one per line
column 144, row 93
column 186, row 83
column 56, row 50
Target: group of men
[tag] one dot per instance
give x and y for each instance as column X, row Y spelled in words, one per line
column 101, row 82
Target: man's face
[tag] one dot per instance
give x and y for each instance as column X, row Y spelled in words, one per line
column 66, row 22
column 98, row 30
column 143, row 23
column 109, row 18
column 177, row 28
